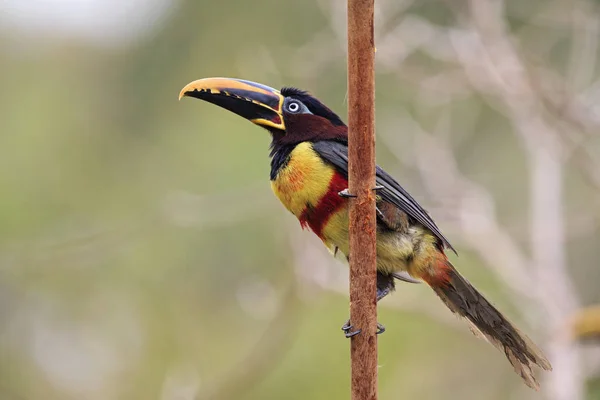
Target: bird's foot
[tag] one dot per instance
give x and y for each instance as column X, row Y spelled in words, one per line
column 349, row 329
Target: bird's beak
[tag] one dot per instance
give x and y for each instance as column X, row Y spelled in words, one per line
column 257, row 103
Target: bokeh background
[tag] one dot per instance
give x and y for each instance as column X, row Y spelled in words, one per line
column 143, row 256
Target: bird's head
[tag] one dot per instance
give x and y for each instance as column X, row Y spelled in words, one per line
column 291, row 115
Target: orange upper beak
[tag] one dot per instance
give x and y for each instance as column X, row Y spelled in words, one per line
column 257, row 103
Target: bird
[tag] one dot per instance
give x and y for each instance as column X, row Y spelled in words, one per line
column 309, row 175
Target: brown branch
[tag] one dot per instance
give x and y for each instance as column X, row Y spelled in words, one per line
column 361, row 153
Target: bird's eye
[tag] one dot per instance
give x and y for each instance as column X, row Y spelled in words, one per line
column 293, row 106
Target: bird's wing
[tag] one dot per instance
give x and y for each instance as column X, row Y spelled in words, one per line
column 336, row 153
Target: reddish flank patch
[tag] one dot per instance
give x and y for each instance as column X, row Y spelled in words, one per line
column 441, row 273
column 316, row 217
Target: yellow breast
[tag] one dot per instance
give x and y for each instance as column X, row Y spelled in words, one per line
column 303, row 181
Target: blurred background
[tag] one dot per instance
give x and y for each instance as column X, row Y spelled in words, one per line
column 143, row 255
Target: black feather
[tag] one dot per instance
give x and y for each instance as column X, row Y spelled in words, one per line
column 280, row 156
column 288, row 91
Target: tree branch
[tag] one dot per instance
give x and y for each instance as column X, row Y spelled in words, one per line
column 361, row 154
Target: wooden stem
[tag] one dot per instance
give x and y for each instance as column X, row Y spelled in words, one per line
column 361, row 154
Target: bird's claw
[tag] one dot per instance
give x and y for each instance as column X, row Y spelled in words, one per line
column 347, row 328
column 346, row 193
column 349, row 332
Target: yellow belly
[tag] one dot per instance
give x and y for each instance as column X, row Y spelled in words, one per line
column 395, row 251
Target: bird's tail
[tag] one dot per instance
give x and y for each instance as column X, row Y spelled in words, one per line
column 487, row 322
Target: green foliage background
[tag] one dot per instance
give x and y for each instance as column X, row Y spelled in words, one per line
column 142, row 255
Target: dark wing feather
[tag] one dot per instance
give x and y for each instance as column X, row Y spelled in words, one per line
column 336, row 153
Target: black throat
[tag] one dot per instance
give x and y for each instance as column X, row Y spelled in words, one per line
column 280, row 156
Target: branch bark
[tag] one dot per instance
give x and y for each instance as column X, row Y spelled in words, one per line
column 361, row 154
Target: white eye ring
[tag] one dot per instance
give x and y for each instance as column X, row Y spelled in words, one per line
column 293, row 106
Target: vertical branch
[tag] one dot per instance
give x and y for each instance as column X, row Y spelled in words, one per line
column 549, row 261
column 361, row 152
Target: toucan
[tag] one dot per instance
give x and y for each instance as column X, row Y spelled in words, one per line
column 309, row 175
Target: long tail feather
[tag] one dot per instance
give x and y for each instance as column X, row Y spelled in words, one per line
column 487, row 322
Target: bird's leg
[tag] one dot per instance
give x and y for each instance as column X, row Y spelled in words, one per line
column 385, row 284
column 381, row 293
